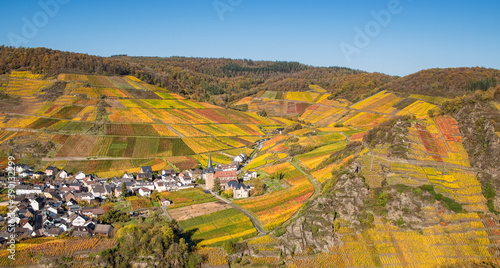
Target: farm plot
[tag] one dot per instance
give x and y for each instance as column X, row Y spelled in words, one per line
column 72, row 77
column 419, row 109
column 189, row 131
column 164, row 131
column 50, row 248
column 302, row 96
column 77, row 146
column 438, row 140
column 321, row 139
column 465, row 239
column 120, row 82
column 260, row 160
column 187, row 197
column 68, row 112
column 321, row 115
column 363, row 119
column 215, row 130
column 245, row 100
column 37, row 124
column 72, row 127
column 218, row 227
column 275, row 208
column 119, row 130
column 193, row 211
column 127, row 115
column 173, row 147
column 189, row 116
column 139, row 203
column 216, row 116
column 100, row 81
column 182, row 162
column 315, row 157
column 270, row 95
column 204, row 145
column 382, row 102
column 88, row 113
column 463, row 187
column 146, row 147
column 234, row 142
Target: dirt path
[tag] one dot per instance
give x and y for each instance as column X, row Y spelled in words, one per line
column 175, row 131
column 470, row 170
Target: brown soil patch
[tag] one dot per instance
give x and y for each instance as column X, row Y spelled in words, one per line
column 185, row 213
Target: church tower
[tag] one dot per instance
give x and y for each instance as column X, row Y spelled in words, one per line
column 209, row 173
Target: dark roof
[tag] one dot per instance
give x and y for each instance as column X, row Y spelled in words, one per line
column 146, row 169
column 54, row 231
column 236, row 185
column 103, row 228
column 144, row 175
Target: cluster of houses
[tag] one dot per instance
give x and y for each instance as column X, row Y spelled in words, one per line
column 227, row 175
column 50, row 214
column 60, row 202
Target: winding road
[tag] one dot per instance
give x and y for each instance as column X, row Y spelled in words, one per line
column 254, row 220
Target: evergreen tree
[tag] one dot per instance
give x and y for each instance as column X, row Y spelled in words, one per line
column 217, row 187
column 124, row 190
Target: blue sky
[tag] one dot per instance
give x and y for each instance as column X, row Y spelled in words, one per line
column 420, row 34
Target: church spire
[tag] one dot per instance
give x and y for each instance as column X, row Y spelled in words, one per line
column 210, row 168
column 209, row 165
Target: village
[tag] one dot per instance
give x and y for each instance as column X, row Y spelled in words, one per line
column 52, row 202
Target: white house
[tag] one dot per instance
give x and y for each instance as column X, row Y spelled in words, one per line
column 50, row 171
column 26, row 173
column 128, row 176
column 240, row 158
column 37, row 203
column 160, row 186
column 28, row 189
column 52, row 212
column 250, row 175
column 165, row 202
column 62, row 174
column 25, row 224
column 80, row 175
column 79, row 221
column 144, row 191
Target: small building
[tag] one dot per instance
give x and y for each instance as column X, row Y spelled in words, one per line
column 240, row 190
column 62, row 174
column 92, row 212
column 143, row 191
column 249, row 175
column 129, row 176
column 28, row 189
column 228, row 167
column 55, row 231
column 51, row 171
column 225, row 176
column 80, row 175
column 146, row 169
column 165, row 202
column 103, row 230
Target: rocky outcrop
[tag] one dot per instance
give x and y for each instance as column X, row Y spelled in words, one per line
column 315, row 230
column 478, row 123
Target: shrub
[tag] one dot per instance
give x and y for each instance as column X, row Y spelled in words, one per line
column 489, row 191
column 382, row 199
column 279, row 232
column 229, row 247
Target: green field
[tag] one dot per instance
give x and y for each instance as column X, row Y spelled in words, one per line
column 188, row 197
column 216, row 228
